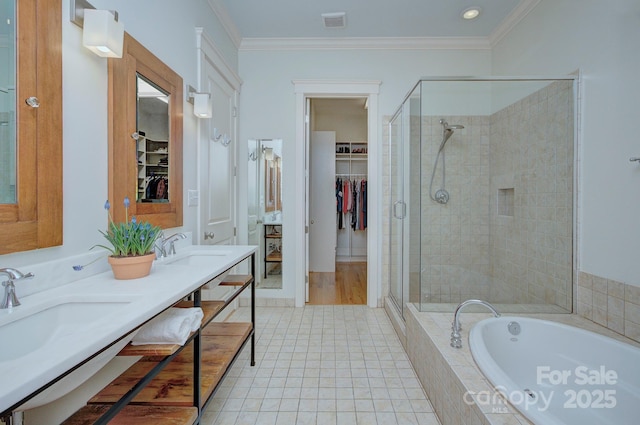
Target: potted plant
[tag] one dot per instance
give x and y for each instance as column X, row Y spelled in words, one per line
column 131, row 245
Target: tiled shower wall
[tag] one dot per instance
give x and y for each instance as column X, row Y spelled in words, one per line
column 531, row 198
column 506, row 233
column 455, row 236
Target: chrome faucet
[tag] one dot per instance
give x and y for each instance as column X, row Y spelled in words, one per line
column 456, row 339
column 170, row 242
column 9, row 298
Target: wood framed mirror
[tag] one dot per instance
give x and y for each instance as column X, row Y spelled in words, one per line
column 145, row 138
column 31, row 125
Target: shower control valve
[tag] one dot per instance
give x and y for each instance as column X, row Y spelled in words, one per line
column 442, row 196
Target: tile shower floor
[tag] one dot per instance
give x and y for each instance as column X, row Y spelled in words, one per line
column 321, row 365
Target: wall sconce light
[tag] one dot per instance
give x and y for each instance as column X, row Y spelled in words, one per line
column 102, row 33
column 267, row 153
column 201, row 103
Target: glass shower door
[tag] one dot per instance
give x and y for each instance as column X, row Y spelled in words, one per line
column 405, row 133
column 396, row 220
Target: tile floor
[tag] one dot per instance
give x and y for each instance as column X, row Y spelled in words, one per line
column 321, row 365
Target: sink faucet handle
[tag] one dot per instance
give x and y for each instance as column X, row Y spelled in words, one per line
column 170, row 241
column 15, row 274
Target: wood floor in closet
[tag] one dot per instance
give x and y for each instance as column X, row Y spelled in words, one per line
column 348, row 285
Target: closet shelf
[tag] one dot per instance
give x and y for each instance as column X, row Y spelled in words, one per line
column 353, row 156
column 351, row 151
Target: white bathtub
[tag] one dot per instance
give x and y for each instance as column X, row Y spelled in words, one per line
column 559, row 374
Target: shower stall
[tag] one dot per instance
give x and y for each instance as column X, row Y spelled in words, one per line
column 481, row 194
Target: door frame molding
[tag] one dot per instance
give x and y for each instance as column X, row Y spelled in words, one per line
column 335, row 89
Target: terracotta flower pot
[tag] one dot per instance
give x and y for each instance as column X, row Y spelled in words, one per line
column 131, row 267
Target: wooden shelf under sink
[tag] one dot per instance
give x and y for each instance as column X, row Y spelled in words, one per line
column 136, row 415
column 174, row 384
column 236, row 280
column 210, row 310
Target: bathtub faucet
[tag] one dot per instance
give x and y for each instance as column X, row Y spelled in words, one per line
column 456, row 339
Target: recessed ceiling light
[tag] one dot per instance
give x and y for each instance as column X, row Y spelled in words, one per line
column 470, row 13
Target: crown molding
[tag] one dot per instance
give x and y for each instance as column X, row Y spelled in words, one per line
column 359, row 43
column 512, row 20
column 225, row 20
column 373, row 43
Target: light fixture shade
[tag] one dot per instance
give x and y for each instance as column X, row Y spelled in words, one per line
column 268, row 154
column 102, row 34
column 201, row 105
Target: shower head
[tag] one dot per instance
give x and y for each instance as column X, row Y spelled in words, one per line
column 445, row 136
column 447, row 132
column 450, row 127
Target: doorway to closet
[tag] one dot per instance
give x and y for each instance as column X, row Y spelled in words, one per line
column 338, row 185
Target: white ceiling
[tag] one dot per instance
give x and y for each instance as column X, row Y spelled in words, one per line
column 369, row 18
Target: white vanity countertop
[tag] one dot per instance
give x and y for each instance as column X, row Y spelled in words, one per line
column 141, row 300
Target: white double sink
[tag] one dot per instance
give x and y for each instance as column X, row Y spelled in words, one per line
column 55, row 330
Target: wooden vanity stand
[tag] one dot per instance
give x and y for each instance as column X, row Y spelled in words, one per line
column 172, row 384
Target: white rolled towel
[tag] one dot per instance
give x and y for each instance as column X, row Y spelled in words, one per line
column 170, row 327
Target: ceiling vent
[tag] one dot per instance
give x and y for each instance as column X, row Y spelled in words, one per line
column 335, row 20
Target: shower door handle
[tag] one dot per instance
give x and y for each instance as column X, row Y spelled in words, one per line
column 395, row 210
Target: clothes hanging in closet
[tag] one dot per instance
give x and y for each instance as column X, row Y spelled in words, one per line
column 351, row 203
column 156, row 187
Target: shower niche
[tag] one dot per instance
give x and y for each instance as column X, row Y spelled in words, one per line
column 482, row 194
column 505, row 202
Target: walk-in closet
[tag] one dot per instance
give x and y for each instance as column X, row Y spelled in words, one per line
column 338, row 163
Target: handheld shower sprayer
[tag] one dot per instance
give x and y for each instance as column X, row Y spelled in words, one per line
column 442, row 196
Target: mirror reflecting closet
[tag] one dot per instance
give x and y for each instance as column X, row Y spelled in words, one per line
column 145, row 98
column 265, row 208
column 152, row 144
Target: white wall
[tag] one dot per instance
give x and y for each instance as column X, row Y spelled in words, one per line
column 601, row 40
column 169, row 32
column 268, row 103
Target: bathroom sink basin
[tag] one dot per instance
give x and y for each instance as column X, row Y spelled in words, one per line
column 199, row 258
column 34, row 330
column 30, row 329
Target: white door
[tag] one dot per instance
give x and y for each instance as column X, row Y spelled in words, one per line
column 218, row 161
column 322, row 205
